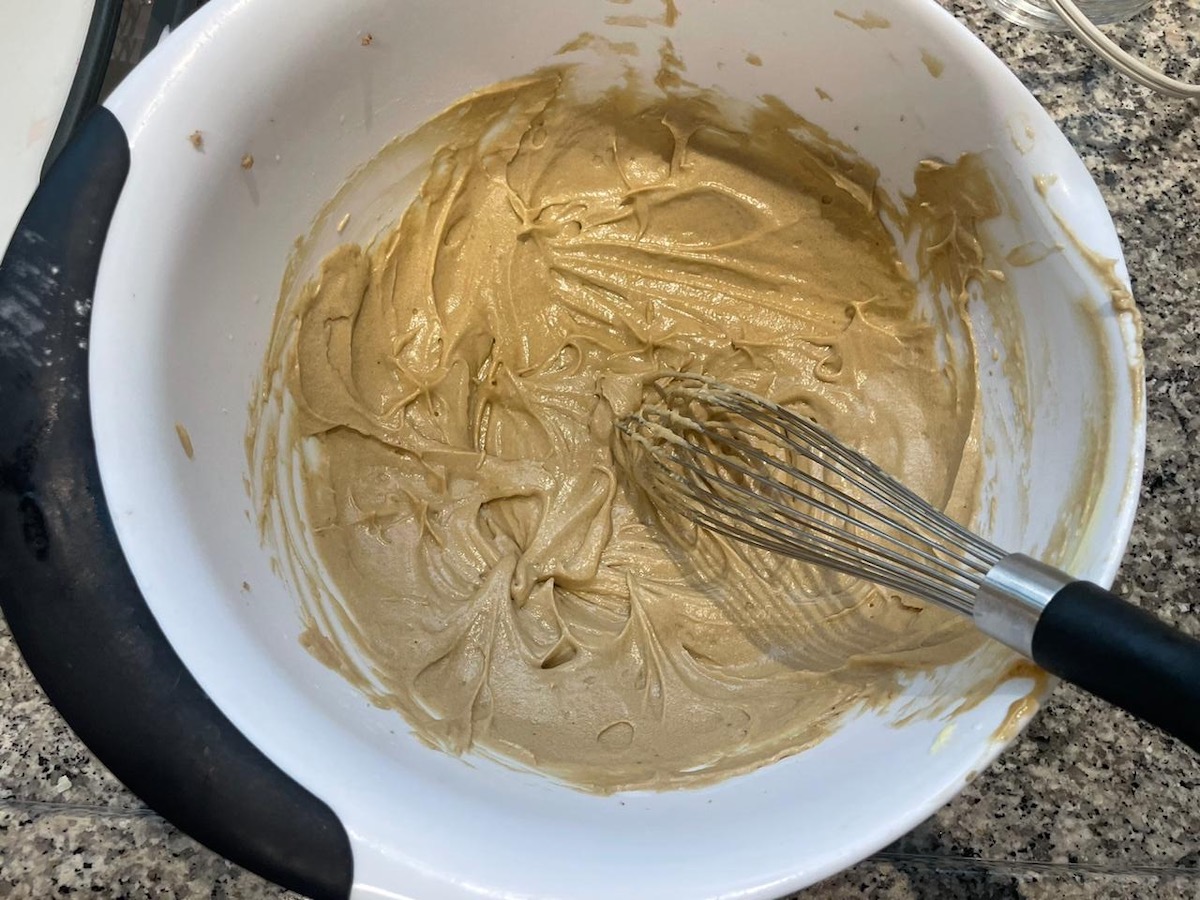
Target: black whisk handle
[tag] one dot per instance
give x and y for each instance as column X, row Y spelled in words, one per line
column 1124, row 655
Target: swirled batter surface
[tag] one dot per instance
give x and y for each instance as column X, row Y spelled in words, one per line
column 483, row 563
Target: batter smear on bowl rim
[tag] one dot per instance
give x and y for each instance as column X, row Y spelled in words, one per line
column 441, row 475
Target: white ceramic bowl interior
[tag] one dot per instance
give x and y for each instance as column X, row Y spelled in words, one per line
column 183, row 310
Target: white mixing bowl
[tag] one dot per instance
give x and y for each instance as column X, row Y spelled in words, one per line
column 184, row 299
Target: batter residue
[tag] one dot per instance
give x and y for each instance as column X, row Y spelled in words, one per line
column 487, row 570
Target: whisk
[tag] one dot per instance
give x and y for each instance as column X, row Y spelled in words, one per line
column 749, row 469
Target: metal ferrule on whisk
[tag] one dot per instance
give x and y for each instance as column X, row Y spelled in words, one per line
column 1011, row 599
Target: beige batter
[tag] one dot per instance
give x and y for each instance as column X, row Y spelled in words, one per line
column 486, row 569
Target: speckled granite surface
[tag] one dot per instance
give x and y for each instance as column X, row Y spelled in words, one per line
column 1084, row 805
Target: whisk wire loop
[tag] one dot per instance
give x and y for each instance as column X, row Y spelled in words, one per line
column 802, row 436
column 754, row 471
column 791, row 509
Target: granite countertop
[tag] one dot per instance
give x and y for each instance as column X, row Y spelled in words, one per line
column 1085, row 804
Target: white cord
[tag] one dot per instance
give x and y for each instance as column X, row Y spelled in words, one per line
column 1108, row 50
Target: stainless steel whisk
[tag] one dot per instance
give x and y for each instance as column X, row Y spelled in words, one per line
column 750, row 469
